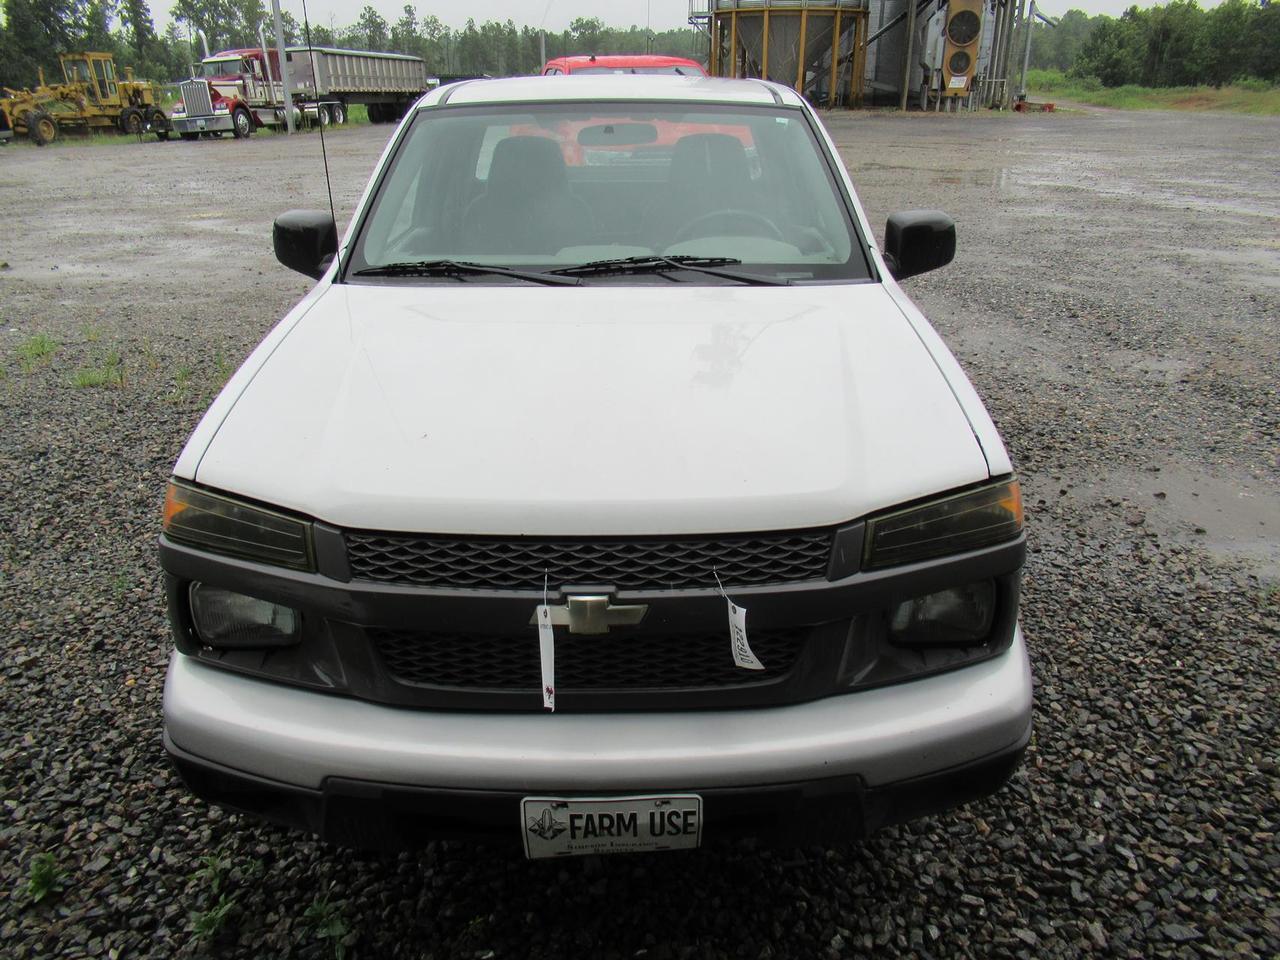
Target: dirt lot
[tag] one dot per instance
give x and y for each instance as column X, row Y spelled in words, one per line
column 1115, row 300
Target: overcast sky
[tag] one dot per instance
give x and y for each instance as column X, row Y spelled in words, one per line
column 663, row 14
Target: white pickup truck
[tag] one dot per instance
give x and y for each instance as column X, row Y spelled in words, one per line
column 606, row 494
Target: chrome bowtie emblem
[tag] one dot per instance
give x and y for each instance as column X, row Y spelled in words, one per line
column 594, row 614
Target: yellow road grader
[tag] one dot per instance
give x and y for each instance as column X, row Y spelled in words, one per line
column 91, row 97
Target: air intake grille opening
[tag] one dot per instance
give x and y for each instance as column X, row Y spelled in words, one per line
column 521, row 564
column 613, row 662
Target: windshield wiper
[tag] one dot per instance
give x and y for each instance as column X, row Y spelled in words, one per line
column 460, row 268
column 655, row 263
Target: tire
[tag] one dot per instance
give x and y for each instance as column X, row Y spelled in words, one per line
column 339, row 113
column 41, row 128
column 241, row 122
column 132, row 121
column 189, row 136
column 322, row 114
column 159, row 124
column 375, row 113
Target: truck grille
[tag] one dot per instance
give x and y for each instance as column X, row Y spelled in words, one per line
column 195, row 97
column 614, row 662
column 497, row 564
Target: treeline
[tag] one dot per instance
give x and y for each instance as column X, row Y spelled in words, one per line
column 1174, row 45
column 34, row 32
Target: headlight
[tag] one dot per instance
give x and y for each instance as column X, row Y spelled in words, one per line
column 236, row 529
column 954, row 524
column 221, row 108
column 957, row 617
column 232, row 620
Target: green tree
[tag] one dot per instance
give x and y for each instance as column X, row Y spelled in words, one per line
column 1113, row 53
column 370, row 31
column 405, row 37
column 36, row 31
column 1227, row 41
column 135, row 16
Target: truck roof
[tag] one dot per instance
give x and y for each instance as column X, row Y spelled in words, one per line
column 622, row 61
column 614, row 87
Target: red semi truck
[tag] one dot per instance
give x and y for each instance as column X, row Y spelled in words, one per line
column 239, row 91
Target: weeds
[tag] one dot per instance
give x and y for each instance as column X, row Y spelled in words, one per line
column 44, row 877
column 35, row 350
column 182, row 380
column 328, row 923
column 207, row 924
column 211, row 877
column 212, row 873
column 108, row 373
column 223, row 368
column 92, row 334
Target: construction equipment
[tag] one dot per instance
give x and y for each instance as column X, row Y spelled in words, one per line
column 91, row 97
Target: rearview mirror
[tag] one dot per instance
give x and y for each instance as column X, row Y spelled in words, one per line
column 917, row 241
column 306, row 241
column 618, row 135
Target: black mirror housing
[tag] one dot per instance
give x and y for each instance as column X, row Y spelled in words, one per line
column 306, row 241
column 917, row 241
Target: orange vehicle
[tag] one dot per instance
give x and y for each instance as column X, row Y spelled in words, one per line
column 646, row 63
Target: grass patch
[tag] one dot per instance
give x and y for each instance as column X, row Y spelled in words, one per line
column 35, row 350
column 1246, row 96
column 107, row 373
column 44, row 877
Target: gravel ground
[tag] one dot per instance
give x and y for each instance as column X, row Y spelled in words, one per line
column 1115, row 301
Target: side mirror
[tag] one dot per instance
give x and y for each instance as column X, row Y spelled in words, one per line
column 306, row 241
column 917, row 241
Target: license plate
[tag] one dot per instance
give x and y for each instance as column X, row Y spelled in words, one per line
column 558, row 827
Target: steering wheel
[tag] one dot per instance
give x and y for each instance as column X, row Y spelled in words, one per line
column 752, row 219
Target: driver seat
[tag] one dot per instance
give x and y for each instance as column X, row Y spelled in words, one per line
column 709, row 173
column 528, row 206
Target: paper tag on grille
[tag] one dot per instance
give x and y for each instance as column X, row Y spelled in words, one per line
column 742, row 654
column 547, row 650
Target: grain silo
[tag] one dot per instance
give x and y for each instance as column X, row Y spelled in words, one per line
column 856, row 52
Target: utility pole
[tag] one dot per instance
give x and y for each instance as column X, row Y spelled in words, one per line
column 284, row 66
column 542, row 48
column 1026, row 57
column 908, row 52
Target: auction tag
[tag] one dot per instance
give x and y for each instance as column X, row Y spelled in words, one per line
column 547, row 649
column 742, row 654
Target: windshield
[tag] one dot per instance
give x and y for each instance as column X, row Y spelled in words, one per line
column 222, row 68
column 77, row 71
column 556, row 185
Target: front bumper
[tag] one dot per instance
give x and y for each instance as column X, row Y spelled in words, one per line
column 378, row 776
column 219, row 123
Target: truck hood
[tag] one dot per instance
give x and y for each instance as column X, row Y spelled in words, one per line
column 602, row 410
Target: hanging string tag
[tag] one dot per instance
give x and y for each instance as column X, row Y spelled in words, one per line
column 547, row 650
column 742, row 655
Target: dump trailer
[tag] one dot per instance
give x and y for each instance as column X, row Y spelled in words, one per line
column 91, row 97
column 239, row 91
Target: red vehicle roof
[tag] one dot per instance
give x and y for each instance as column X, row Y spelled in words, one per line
column 621, row 61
